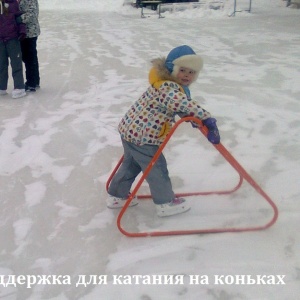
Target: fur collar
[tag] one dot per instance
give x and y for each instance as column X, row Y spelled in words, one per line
column 159, row 72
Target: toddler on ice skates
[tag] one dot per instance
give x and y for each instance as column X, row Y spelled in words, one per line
column 147, row 123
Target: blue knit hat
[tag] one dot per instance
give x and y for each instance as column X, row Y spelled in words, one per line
column 183, row 56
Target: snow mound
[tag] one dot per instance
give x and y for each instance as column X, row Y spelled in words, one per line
column 99, row 5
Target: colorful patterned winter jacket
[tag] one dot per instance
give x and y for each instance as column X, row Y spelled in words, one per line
column 31, row 17
column 9, row 27
column 150, row 118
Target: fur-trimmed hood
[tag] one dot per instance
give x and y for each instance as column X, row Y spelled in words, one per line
column 166, row 69
column 159, row 73
column 183, row 56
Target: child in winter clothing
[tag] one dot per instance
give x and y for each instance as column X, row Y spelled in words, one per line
column 147, row 123
column 11, row 32
column 29, row 44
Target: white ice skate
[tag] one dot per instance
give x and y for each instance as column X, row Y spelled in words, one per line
column 115, row 202
column 176, row 206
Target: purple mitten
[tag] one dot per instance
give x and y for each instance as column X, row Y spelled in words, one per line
column 213, row 133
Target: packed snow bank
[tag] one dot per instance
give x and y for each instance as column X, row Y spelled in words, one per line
column 102, row 5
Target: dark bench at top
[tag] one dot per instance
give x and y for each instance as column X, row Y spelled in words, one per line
column 152, row 3
column 156, row 3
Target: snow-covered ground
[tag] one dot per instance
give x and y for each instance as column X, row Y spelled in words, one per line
column 59, row 145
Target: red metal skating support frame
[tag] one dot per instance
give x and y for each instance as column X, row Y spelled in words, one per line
column 230, row 159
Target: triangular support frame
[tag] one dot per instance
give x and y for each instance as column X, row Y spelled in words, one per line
column 243, row 175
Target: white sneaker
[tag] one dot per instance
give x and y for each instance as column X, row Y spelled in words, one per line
column 3, row 92
column 176, row 206
column 114, row 202
column 18, row 93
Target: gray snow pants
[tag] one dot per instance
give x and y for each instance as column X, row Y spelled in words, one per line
column 11, row 49
column 136, row 159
